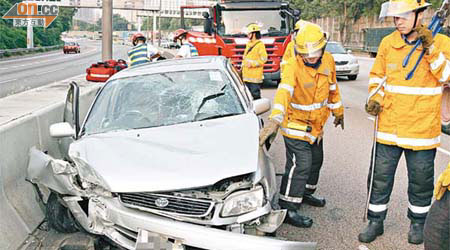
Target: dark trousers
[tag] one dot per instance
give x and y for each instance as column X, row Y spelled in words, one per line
column 437, row 226
column 303, row 164
column 420, row 166
column 255, row 89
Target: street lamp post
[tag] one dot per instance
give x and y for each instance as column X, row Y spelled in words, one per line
column 107, row 30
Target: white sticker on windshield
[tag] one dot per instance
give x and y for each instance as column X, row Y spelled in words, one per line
column 215, row 76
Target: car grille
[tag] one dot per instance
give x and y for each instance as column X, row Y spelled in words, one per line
column 167, row 203
column 343, row 72
column 341, row 62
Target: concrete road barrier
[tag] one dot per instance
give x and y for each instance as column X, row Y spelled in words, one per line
column 24, row 123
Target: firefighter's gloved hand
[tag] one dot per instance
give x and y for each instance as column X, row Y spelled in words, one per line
column 268, row 130
column 442, row 184
column 339, row 120
column 426, row 36
column 373, row 107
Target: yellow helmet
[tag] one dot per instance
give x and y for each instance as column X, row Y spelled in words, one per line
column 310, row 40
column 253, row 27
column 300, row 24
column 401, row 8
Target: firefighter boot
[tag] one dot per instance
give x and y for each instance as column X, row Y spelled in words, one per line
column 371, row 232
column 295, row 218
column 415, row 235
column 314, row 201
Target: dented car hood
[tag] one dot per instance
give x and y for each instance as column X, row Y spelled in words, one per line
column 174, row 157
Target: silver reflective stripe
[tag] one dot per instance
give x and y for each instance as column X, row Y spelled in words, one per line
column 311, row 186
column 333, row 87
column 438, row 62
column 279, row 107
column 287, row 87
column 279, row 118
column 381, row 92
column 408, row 141
column 310, row 107
column 298, row 133
column 375, row 80
column 418, row 210
column 99, row 75
column 291, row 199
column 412, row 90
column 335, row 105
column 291, row 173
column 446, row 72
column 377, row 208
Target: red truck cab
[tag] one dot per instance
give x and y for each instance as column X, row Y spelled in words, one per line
column 227, row 36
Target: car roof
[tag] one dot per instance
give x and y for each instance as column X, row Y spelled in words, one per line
column 174, row 65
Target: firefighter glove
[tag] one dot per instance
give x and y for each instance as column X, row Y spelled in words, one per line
column 270, row 129
column 339, row 120
column 442, row 184
column 426, row 36
column 373, row 107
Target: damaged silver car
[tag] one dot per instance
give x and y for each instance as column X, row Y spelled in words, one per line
column 167, row 157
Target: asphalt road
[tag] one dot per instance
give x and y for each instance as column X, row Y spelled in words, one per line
column 343, row 179
column 27, row 72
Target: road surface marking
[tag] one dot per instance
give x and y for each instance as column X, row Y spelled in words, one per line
column 28, row 58
column 8, row 80
column 444, row 151
column 49, row 71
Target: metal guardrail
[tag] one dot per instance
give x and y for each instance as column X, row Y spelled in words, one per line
column 19, row 50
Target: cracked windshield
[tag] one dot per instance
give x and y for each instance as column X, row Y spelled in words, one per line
column 271, row 22
column 161, row 100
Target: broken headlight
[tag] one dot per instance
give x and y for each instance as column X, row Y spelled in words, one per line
column 242, row 202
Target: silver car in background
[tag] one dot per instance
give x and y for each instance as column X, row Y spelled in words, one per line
column 168, row 153
column 346, row 64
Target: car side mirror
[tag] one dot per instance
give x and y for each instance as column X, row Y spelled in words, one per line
column 62, row 129
column 349, row 51
column 261, row 106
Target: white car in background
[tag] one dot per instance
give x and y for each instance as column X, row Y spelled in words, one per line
column 346, row 64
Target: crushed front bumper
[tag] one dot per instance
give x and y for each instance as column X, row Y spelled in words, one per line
column 109, row 217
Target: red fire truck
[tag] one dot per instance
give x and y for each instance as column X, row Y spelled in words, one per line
column 225, row 33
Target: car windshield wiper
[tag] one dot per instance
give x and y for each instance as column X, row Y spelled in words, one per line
column 219, row 116
column 238, row 35
column 274, row 33
column 210, row 97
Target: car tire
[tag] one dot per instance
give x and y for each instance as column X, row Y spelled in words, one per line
column 352, row 77
column 59, row 217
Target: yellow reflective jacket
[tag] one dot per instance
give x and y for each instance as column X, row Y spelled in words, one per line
column 288, row 53
column 306, row 96
column 253, row 62
column 411, row 108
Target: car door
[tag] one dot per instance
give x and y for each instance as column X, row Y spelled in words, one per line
column 71, row 116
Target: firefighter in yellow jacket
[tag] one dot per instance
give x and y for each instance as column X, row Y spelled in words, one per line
column 255, row 56
column 408, row 113
column 437, row 226
column 307, row 93
column 289, row 52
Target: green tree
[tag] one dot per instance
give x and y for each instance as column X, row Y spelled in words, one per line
column 119, row 23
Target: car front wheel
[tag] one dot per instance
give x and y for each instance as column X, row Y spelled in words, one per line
column 352, row 77
column 59, row 217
